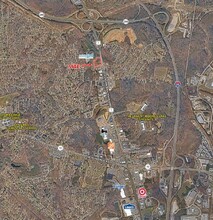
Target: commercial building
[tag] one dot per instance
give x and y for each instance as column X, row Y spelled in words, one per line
column 111, row 146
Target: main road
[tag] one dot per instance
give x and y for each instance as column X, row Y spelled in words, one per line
column 120, row 149
column 177, row 117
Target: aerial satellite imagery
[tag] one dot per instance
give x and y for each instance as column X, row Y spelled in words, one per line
column 106, row 110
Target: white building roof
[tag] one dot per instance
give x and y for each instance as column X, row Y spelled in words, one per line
column 143, row 107
column 112, row 151
column 122, row 193
column 128, row 212
column 200, row 119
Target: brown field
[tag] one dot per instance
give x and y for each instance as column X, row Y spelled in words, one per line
column 94, row 174
column 4, row 100
column 120, row 35
column 160, row 73
column 133, row 107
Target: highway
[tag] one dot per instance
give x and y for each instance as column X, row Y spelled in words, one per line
column 177, row 117
column 67, row 20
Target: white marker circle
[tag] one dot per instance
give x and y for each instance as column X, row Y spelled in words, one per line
column 147, row 166
column 41, row 14
column 126, row 21
column 60, row 148
column 111, row 110
column 98, row 43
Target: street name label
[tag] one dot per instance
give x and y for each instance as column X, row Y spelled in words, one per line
column 148, row 117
